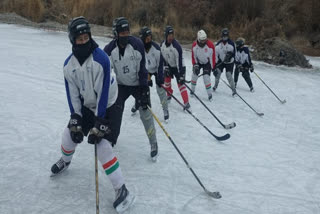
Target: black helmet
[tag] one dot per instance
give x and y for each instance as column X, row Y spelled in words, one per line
column 119, row 25
column 240, row 42
column 145, row 32
column 78, row 26
column 225, row 32
column 114, row 23
column 168, row 30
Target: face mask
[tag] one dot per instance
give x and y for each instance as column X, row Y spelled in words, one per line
column 123, row 40
column 82, row 51
column 225, row 38
column 147, row 46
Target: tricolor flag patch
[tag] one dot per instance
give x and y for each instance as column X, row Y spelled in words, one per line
column 66, row 152
column 111, row 166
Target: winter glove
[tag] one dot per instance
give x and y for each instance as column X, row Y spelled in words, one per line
column 228, row 57
column 99, row 130
column 215, row 72
column 251, row 68
column 144, row 98
column 196, row 69
column 166, row 71
column 75, row 127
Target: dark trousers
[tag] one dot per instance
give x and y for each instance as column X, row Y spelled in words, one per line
column 112, row 115
column 245, row 75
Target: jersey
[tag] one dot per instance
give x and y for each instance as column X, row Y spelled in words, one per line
column 243, row 57
column 173, row 55
column 204, row 55
column 154, row 61
column 130, row 68
column 92, row 85
column 222, row 48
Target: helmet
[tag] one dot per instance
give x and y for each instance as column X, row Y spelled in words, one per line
column 225, row 32
column 114, row 23
column 201, row 35
column 168, row 30
column 144, row 33
column 119, row 25
column 78, row 26
column 240, row 42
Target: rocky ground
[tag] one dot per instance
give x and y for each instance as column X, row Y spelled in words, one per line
column 274, row 50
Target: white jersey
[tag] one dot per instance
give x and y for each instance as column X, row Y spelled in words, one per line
column 173, row 55
column 243, row 57
column 154, row 60
column 130, row 68
column 92, row 85
column 222, row 48
column 203, row 55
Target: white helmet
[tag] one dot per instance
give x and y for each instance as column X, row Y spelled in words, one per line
column 201, row 35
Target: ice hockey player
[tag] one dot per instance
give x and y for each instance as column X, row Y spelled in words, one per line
column 154, row 65
column 225, row 53
column 91, row 91
column 174, row 65
column 128, row 59
column 243, row 63
column 203, row 57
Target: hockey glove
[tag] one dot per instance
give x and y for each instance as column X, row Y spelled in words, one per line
column 196, row 69
column 75, row 127
column 215, row 72
column 166, row 71
column 144, row 99
column 228, row 57
column 100, row 129
column 251, row 68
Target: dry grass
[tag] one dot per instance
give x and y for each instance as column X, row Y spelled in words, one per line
column 253, row 19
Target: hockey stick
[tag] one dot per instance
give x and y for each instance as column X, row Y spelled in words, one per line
column 229, row 126
column 216, row 195
column 259, row 114
column 281, row 101
column 189, row 81
column 97, row 181
column 219, row 138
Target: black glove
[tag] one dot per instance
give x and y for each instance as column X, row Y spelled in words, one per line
column 215, row 71
column 196, row 69
column 251, row 68
column 228, row 56
column 150, row 83
column 100, row 129
column 75, row 127
column 166, row 71
column 144, row 98
column 239, row 67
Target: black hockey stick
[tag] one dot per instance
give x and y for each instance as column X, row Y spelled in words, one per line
column 189, row 81
column 219, row 138
column 97, row 180
column 259, row 114
column 281, row 101
column 216, row 195
column 229, row 126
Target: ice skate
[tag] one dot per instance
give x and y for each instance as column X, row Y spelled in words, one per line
column 123, row 200
column 166, row 116
column 59, row 167
column 154, row 152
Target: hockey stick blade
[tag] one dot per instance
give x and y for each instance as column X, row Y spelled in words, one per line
column 215, row 195
column 260, row 114
column 283, row 101
column 222, row 138
column 230, row 126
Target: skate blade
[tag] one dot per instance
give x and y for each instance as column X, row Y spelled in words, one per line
column 53, row 175
column 126, row 204
column 166, row 121
column 155, row 158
